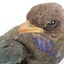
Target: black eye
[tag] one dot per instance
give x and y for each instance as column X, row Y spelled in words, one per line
column 53, row 23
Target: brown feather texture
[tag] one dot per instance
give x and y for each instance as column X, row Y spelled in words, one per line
column 42, row 14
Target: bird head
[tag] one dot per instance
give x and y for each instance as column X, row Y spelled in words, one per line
column 43, row 18
column 46, row 19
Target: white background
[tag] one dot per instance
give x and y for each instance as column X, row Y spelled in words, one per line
column 13, row 12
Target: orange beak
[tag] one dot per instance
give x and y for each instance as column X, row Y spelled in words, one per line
column 29, row 28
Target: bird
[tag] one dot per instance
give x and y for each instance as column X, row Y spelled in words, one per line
column 46, row 24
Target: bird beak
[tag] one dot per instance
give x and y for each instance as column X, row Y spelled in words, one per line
column 27, row 27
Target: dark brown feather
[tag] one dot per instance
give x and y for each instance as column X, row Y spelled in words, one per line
column 42, row 14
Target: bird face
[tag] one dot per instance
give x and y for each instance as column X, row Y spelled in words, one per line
column 45, row 22
column 45, row 18
column 42, row 42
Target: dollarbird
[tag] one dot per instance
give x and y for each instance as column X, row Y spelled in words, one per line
column 45, row 22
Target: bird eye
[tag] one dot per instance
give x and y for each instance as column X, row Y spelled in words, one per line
column 53, row 23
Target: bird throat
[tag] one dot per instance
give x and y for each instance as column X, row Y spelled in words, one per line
column 45, row 44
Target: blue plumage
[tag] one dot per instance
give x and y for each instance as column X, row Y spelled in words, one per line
column 46, row 45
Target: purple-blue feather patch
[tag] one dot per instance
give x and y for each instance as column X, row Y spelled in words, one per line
column 46, row 45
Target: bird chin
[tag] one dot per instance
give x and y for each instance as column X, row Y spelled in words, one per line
column 44, row 44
